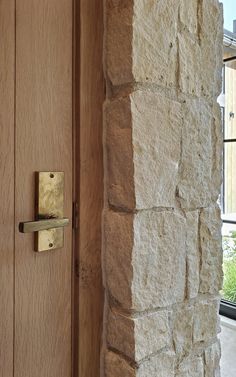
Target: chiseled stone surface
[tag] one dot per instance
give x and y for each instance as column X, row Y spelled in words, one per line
column 156, row 135
column 183, row 330
column 192, row 253
column 144, row 267
column 212, row 359
column 139, row 337
column 143, row 137
column 194, row 187
column 211, row 273
column 162, row 257
column 191, row 366
column 116, row 366
column 205, row 321
column 159, row 259
column 155, row 48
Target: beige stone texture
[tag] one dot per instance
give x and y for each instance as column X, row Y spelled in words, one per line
column 211, row 273
column 193, row 254
column 191, row 367
column 143, row 141
column 155, row 48
column 117, row 263
column 183, row 330
column 149, row 273
column 195, row 182
column 162, row 365
column 199, row 63
column 205, row 321
column 212, row 360
column 119, row 153
column 118, row 40
column 188, row 16
column 156, row 135
column 138, row 337
column 116, row 366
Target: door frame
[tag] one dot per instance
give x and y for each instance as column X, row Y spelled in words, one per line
column 88, row 95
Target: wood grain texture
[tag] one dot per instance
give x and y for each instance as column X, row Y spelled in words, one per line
column 7, row 74
column 43, row 143
column 89, row 99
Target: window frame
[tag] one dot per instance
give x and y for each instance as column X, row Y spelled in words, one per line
column 227, row 308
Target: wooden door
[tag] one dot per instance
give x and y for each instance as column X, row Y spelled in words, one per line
column 51, row 73
column 36, row 135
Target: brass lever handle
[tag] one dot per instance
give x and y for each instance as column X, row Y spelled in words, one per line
column 38, row 225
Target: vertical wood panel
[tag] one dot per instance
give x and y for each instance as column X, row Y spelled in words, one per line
column 89, row 103
column 43, row 143
column 7, row 62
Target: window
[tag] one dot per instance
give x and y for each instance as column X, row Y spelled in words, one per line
column 228, row 197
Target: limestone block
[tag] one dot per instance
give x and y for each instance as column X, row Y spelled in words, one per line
column 119, row 153
column 191, row 367
column 156, row 133
column 118, row 40
column 195, row 184
column 150, row 272
column 159, row 259
column 162, row 365
column 155, row 26
column 200, row 66
column 117, row 263
column 205, row 321
column 143, row 172
column 193, row 254
column 212, row 360
column 183, row 330
column 116, row 366
column 188, row 15
column 217, row 152
column 211, row 273
column 139, row 337
column 211, row 37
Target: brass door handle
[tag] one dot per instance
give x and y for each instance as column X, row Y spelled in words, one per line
column 49, row 212
column 38, row 225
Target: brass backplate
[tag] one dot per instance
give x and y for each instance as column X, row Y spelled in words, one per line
column 49, row 205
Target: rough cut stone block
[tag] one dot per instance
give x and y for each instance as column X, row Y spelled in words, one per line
column 211, row 36
column 116, row 366
column 143, row 150
column 119, row 154
column 195, row 185
column 139, row 337
column 188, row 15
column 161, row 365
column 193, row 254
column 118, row 247
column 183, row 330
column 155, row 49
column 205, row 321
column 136, row 49
column 191, row 367
column 211, row 273
column 118, row 40
column 150, row 272
column 212, row 360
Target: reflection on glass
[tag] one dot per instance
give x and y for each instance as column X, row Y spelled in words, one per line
column 230, row 100
column 230, row 181
column 229, row 14
column 229, row 262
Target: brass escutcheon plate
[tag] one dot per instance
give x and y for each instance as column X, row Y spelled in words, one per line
column 49, row 205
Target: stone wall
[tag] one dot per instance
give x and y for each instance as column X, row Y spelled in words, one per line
column 163, row 144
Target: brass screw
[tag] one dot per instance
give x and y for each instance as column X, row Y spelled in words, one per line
column 51, row 245
column 51, row 175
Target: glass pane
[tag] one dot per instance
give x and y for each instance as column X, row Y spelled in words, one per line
column 229, row 14
column 229, row 262
column 230, row 100
column 229, row 193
